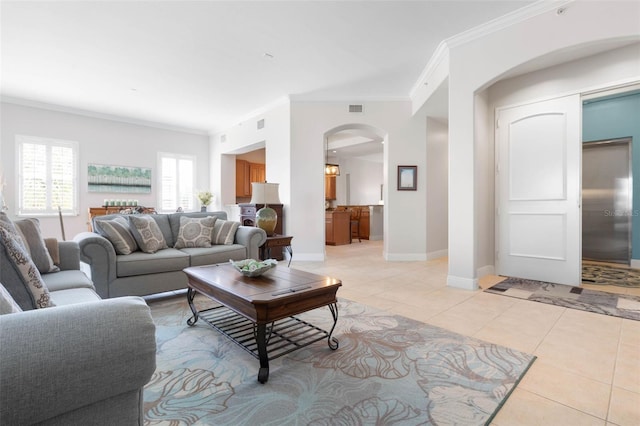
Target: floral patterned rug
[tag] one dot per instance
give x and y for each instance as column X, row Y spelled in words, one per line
column 600, row 302
column 596, row 274
column 387, row 370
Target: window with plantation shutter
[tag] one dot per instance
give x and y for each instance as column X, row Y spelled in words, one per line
column 177, row 177
column 47, row 176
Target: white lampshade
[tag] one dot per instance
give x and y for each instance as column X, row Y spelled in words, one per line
column 264, row 193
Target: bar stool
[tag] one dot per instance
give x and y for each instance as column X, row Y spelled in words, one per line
column 355, row 225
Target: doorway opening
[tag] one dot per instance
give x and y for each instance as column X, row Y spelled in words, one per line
column 353, row 203
column 607, row 203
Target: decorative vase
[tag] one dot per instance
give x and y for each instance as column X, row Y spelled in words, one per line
column 203, row 208
column 266, row 219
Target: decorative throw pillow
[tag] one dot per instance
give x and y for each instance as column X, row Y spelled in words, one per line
column 27, row 270
column 117, row 231
column 7, row 304
column 195, row 232
column 9, row 226
column 224, row 232
column 147, row 233
column 34, row 242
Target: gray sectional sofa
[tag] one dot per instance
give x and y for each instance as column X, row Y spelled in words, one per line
column 140, row 273
column 84, row 360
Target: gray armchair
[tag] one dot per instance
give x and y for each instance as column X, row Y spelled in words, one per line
column 79, row 364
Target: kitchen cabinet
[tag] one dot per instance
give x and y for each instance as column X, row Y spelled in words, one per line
column 246, row 173
column 329, row 187
column 257, row 173
column 337, row 227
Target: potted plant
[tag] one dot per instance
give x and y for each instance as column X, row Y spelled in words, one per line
column 205, row 198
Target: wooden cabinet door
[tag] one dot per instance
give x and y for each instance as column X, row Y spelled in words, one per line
column 243, row 184
column 328, row 225
column 257, row 173
column 330, row 187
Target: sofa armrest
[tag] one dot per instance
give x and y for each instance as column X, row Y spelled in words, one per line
column 69, row 255
column 59, row 359
column 252, row 238
column 99, row 254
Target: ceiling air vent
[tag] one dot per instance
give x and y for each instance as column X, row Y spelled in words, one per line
column 355, row 108
column 260, row 124
column 223, row 138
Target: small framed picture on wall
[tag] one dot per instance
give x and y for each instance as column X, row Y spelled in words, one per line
column 407, row 178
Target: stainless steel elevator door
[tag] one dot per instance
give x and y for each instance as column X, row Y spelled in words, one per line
column 606, row 201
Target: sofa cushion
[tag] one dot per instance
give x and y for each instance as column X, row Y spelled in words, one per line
column 216, row 254
column 7, row 304
column 174, row 219
column 74, row 295
column 117, row 231
column 64, row 280
column 34, row 242
column 162, row 220
column 140, row 263
column 27, row 271
column 147, row 233
column 224, row 232
column 195, row 232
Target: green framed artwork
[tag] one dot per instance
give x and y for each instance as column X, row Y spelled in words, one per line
column 120, row 179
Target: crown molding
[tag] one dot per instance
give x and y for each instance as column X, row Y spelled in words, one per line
column 441, row 53
column 349, row 99
column 282, row 100
column 99, row 115
column 505, row 21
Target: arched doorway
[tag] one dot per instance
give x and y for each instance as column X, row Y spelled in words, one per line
column 357, row 180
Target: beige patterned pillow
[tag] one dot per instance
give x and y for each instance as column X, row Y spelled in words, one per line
column 28, row 272
column 34, row 242
column 147, row 233
column 224, row 232
column 195, row 232
column 117, row 231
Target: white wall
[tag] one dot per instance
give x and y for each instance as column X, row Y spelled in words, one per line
column 245, row 137
column 101, row 141
column 405, row 144
column 470, row 71
column 365, row 178
column 437, row 188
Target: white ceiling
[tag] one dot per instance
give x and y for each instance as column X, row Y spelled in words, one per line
column 206, row 65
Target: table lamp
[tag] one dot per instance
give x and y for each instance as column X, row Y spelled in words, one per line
column 265, row 193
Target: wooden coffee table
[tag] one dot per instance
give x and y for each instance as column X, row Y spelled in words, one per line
column 258, row 313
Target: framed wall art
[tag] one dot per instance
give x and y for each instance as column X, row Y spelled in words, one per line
column 120, row 179
column 407, row 178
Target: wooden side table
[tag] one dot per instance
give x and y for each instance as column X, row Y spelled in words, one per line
column 279, row 242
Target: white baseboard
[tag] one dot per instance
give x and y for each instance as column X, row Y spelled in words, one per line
column 437, row 254
column 375, row 237
column 635, row 263
column 463, row 283
column 486, row 270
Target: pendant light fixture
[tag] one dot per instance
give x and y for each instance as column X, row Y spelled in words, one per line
column 330, row 169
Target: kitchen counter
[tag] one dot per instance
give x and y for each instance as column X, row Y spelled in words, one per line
column 337, row 227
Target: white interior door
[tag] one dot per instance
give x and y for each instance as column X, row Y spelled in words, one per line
column 538, row 191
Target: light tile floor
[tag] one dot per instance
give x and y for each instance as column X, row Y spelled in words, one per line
column 588, row 366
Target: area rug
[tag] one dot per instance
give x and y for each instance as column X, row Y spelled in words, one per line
column 610, row 275
column 600, row 302
column 387, row 370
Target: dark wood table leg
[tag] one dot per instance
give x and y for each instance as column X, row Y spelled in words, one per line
column 261, row 340
column 191, row 294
